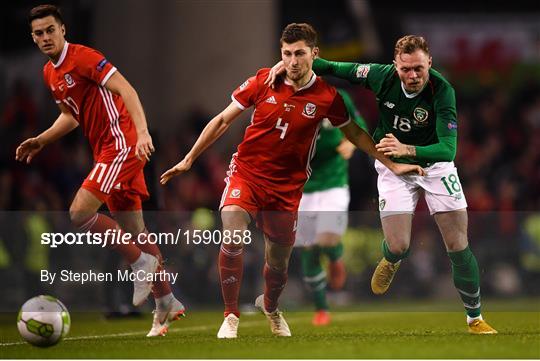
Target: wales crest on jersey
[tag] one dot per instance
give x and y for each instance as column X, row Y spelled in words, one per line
column 309, row 110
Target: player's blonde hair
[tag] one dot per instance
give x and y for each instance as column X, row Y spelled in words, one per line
column 409, row 44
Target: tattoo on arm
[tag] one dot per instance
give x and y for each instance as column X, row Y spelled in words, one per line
column 411, row 151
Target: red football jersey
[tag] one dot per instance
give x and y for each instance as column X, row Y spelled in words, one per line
column 280, row 141
column 78, row 81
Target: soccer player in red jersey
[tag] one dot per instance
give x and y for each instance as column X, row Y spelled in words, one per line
column 268, row 172
column 92, row 93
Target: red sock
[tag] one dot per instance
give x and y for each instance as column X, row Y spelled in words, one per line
column 100, row 223
column 274, row 284
column 230, row 275
column 161, row 287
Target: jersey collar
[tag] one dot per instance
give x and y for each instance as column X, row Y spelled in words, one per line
column 412, row 95
column 62, row 56
column 309, row 83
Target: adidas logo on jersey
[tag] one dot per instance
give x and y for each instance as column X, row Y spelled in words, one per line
column 271, row 100
column 118, row 186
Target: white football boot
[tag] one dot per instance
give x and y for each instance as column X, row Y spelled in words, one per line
column 146, row 264
column 163, row 318
column 229, row 327
column 278, row 325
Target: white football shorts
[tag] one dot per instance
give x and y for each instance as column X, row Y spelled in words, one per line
column 400, row 194
column 322, row 212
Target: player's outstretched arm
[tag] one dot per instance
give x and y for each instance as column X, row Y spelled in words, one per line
column 119, row 85
column 364, row 142
column 64, row 124
column 443, row 151
column 213, row 130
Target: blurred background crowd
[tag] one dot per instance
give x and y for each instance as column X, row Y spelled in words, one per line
column 186, row 57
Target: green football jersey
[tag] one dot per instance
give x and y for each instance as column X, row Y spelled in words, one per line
column 328, row 168
column 427, row 119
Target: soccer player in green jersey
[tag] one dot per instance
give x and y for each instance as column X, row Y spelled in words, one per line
column 417, row 125
column 322, row 218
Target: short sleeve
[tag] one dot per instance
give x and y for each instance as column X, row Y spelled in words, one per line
column 48, row 83
column 337, row 113
column 246, row 94
column 93, row 65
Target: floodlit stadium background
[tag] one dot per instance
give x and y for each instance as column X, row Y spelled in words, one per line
column 185, row 58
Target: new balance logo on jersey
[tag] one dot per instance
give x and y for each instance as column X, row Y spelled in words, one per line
column 389, row 105
column 271, row 100
column 229, row 280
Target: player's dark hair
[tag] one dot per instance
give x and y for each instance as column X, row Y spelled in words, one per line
column 297, row 32
column 409, row 44
column 42, row 11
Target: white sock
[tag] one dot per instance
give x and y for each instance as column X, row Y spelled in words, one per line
column 471, row 319
column 164, row 301
column 139, row 262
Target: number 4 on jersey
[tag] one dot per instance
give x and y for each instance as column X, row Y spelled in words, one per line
column 283, row 127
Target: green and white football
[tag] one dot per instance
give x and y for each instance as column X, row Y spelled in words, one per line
column 43, row 321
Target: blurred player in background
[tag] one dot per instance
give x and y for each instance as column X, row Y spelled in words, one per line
column 90, row 92
column 417, row 125
column 271, row 166
column 322, row 216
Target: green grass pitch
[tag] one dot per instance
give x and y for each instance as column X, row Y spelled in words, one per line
column 375, row 333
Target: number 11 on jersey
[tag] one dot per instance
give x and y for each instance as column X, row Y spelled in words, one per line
column 281, row 127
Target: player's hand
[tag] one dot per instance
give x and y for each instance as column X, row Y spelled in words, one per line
column 28, row 149
column 402, row 169
column 392, row 147
column 346, row 149
column 276, row 70
column 144, row 147
column 179, row 168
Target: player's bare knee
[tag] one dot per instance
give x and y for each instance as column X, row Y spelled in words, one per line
column 457, row 244
column 79, row 215
column 398, row 247
column 234, row 218
column 328, row 239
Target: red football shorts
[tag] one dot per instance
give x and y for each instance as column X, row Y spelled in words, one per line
column 117, row 179
column 275, row 213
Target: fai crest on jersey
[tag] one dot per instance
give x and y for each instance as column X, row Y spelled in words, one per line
column 421, row 115
column 309, row 110
column 69, row 80
column 235, row 193
column 362, row 71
